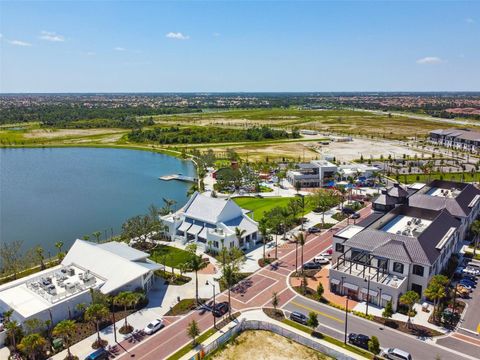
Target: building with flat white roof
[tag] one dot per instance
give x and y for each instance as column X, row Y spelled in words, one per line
column 54, row 293
column 212, row 223
column 316, row 173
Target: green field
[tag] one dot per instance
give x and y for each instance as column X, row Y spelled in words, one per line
column 412, row 178
column 260, row 206
column 170, row 256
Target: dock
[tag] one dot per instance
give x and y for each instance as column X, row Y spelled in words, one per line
column 178, row 177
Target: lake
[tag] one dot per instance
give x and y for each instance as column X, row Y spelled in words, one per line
column 61, row 194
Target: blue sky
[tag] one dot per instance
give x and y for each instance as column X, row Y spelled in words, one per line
column 108, row 46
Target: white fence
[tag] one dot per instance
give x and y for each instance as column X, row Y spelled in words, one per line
column 263, row 325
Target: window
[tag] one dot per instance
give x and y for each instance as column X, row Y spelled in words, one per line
column 398, row 267
column 418, row 270
column 215, row 243
column 339, row 248
column 383, row 264
column 417, row 288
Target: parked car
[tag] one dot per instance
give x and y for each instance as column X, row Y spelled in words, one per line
column 298, row 317
column 468, row 282
column 462, row 292
column 328, row 253
column 153, row 326
column 99, row 354
column 470, row 277
column 466, row 286
column 312, row 265
column 395, row 354
column 313, row 230
column 355, row 216
column 471, row 271
column 321, row 260
column 359, row 340
column 220, row 309
column 348, row 211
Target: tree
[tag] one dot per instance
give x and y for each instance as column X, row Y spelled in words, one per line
column 196, row 263
column 285, row 216
column 436, row 291
column 97, row 235
column 312, row 320
column 96, row 313
column 300, row 240
column 239, row 235
column 274, row 222
column 275, row 300
column 374, row 345
column 11, row 257
column 298, row 186
column 323, row 201
column 32, row 345
column 39, row 252
column 476, row 230
column 127, row 299
column 65, row 329
column 193, row 331
column 59, row 245
column 169, row 205
column 388, row 310
column 13, row 328
column 229, row 275
column 263, row 228
column 320, row 291
column 295, row 208
column 409, row 299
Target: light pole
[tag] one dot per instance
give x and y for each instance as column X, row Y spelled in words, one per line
column 379, row 296
column 368, row 294
column 213, row 308
column 346, row 321
column 343, row 289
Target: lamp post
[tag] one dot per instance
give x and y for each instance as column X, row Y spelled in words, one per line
column 213, row 308
column 346, row 321
column 368, row 294
column 379, row 296
column 343, row 289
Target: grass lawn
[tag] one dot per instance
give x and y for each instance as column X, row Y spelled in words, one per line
column 170, row 256
column 183, row 307
column 260, row 206
column 412, row 178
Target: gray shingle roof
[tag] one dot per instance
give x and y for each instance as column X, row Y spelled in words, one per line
column 397, row 191
column 384, row 199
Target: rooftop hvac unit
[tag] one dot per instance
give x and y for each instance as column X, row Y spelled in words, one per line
column 395, row 278
column 71, row 271
column 70, row 287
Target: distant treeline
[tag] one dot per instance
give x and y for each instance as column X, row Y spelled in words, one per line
column 78, row 116
column 198, row 135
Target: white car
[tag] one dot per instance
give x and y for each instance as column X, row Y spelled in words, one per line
column 471, row 271
column 320, row 260
column 395, row 354
column 153, row 327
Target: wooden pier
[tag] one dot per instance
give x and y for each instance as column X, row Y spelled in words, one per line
column 178, row 177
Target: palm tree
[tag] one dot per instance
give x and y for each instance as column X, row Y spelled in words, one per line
column 193, row 331
column 475, row 227
column 12, row 328
column 409, row 299
column 300, row 240
column 285, row 215
column 39, row 252
column 97, row 235
column 239, row 234
column 96, row 313
column 126, row 299
column 196, row 263
column 59, row 245
column 32, row 345
column 65, row 329
column 229, row 273
column 86, row 237
column 262, row 227
column 436, row 290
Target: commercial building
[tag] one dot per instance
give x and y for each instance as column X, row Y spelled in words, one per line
column 462, row 139
column 316, row 173
column 408, row 239
column 53, row 294
column 213, row 223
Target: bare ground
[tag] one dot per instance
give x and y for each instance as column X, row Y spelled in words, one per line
column 264, row 345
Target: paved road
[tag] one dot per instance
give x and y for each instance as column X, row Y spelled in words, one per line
column 256, row 292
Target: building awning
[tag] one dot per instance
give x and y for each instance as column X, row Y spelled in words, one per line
column 386, row 297
column 350, row 286
column 203, row 233
column 334, row 281
column 184, row 227
column 372, row 292
column 194, row 229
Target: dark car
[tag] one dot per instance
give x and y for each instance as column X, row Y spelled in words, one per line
column 467, row 282
column 313, row 230
column 220, row 309
column 312, row 265
column 359, row 340
column 470, row 277
column 355, row 216
column 348, row 211
column 298, row 317
column 100, row 354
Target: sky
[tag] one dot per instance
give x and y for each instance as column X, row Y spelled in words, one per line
column 234, row 46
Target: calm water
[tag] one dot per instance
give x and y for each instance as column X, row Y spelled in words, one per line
column 50, row 195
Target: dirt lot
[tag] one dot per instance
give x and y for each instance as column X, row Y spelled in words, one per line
column 264, row 345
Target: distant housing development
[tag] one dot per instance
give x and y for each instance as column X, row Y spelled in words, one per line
column 54, row 293
column 462, row 139
column 408, row 239
column 212, row 222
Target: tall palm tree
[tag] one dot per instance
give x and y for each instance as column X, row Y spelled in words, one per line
column 96, row 313
column 97, row 235
column 41, row 257
column 59, row 245
column 239, row 234
column 263, row 228
column 229, row 273
column 126, row 299
column 196, row 263
column 285, row 215
column 65, row 329
column 300, row 240
column 475, row 227
column 12, row 327
column 32, row 345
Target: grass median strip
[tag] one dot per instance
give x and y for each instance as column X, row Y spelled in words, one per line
column 327, row 338
column 184, row 350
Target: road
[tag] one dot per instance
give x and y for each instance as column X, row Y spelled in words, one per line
column 256, row 292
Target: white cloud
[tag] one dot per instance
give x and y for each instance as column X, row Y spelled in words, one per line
column 470, row 20
column 177, row 36
column 118, row 48
column 19, row 43
column 429, row 60
column 51, row 36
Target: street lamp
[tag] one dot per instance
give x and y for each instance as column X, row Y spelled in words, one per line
column 213, row 308
column 379, row 296
column 346, row 321
column 368, row 293
column 343, row 289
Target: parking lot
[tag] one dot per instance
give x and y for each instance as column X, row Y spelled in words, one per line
column 471, row 318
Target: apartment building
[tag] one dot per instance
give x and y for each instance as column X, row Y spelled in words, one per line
column 462, row 139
